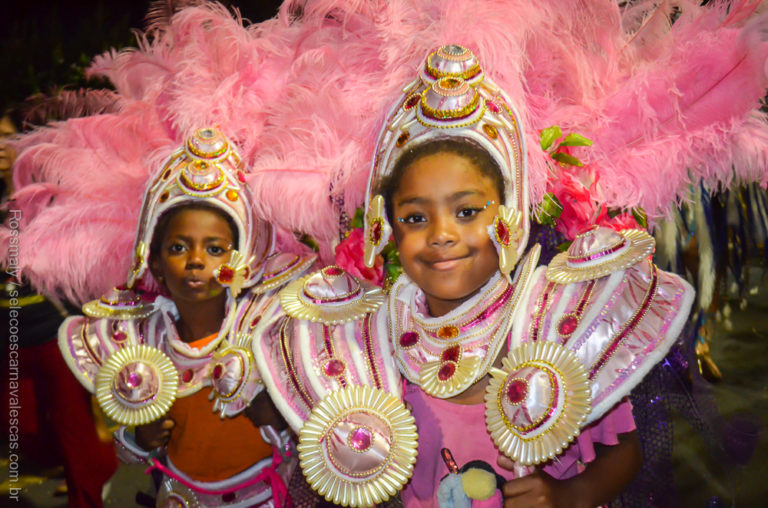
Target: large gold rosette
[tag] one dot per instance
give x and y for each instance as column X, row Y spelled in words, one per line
column 358, row 446
column 536, row 405
column 136, row 385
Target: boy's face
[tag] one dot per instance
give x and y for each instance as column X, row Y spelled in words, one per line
column 442, row 238
column 195, row 243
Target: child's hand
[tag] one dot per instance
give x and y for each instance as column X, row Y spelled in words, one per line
column 537, row 489
column 154, row 435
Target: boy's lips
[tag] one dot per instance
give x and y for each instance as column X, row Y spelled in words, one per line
column 195, row 283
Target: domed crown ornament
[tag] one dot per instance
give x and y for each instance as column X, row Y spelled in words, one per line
column 206, row 170
column 451, row 99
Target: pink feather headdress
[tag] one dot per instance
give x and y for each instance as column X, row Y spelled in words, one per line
column 304, row 96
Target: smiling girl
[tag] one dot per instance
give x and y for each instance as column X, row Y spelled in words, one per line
column 506, row 363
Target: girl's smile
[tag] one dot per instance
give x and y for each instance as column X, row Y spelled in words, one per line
column 442, row 211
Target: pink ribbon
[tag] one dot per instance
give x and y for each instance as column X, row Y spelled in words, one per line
column 268, row 475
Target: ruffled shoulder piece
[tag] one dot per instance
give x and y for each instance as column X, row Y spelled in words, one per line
column 447, row 354
column 281, row 268
column 330, row 296
column 302, row 361
column 113, row 352
column 618, row 325
column 339, row 389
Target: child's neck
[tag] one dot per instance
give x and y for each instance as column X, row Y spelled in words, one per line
column 198, row 320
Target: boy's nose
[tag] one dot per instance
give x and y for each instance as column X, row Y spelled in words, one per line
column 195, row 259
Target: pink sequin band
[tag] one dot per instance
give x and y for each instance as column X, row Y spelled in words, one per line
column 271, row 275
column 369, row 350
column 540, row 312
column 598, row 255
column 630, row 326
column 289, row 367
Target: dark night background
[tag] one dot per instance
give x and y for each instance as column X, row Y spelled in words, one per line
column 46, row 44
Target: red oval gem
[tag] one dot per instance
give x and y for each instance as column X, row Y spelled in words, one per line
column 255, row 321
column 411, row 102
column 517, row 391
column 241, row 176
column 492, row 106
column 409, row 339
column 226, row 275
column 567, row 325
column 119, row 336
column 451, row 354
column 502, row 232
column 218, row 370
column 376, row 232
column 187, row 376
column 447, row 370
column 334, row 368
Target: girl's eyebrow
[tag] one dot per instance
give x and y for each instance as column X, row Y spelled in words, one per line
column 420, row 200
column 188, row 239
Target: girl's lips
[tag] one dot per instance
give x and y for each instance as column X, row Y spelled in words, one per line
column 195, row 284
column 444, row 265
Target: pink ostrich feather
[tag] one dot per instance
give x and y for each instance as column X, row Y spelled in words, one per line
column 304, row 96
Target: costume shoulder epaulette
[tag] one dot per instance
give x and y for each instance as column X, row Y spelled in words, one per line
column 609, row 304
column 330, row 296
column 281, row 268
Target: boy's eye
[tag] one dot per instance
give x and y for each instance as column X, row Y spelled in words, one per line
column 176, row 248
column 466, row 213
column 216, row 250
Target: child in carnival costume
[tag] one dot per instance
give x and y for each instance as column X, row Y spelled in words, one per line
column 157, row 365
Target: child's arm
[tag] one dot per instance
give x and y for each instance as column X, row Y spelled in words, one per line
column 262, row 411
column 606, row 477
column 155, row 434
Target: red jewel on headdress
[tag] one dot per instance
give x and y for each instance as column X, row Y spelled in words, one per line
column 451, row 354
column 226, row 275
column 376, row 230
column 502, row 232
column 409, row 339
column 517, row 391
column 492, row 106
column 241, row 176
column 411, row 101
column 446, row 371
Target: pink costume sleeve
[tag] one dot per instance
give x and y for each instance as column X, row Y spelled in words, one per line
column 573, row 460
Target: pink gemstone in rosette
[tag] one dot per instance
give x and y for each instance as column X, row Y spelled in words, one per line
column 136, row 383
column 359, row 444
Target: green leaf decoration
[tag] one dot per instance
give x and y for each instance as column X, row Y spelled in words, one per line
column 564, row 158
column 564, row 246
column 549, row 210
column 574, row 139
column 549, row 135
column 357, row 220
column 309, row 242
column 613, row 212
column 640, row 216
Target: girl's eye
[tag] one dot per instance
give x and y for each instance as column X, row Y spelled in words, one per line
column 414, row 218
column 466, row 213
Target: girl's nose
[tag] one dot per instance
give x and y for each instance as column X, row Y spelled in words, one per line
column 443, row 231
